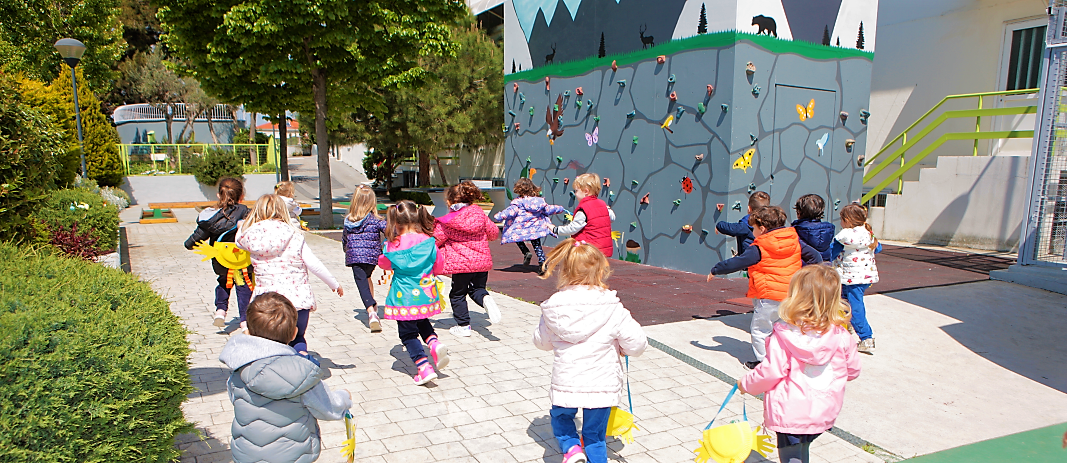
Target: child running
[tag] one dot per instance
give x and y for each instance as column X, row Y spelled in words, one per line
column 811, row 230
column 463, row 236
column 810, row 357
column 277, row 395
column 283, row 258
column 410, row 252
column 587, row 327
column 287, row 190
column 772, row 259
column 742, row 230
column 362, row 241
column 592, row 218
column 853, row 253
column 219, row 223
column 526, row 219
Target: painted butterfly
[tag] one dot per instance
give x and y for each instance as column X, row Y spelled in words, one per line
column 745, row 161
column 592, row 139
column 806, row 113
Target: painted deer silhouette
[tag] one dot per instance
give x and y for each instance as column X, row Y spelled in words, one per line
column 646, row 41
column 552, row 56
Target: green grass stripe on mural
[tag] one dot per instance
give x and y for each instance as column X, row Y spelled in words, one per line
column 716, row 40
column 1034, row 446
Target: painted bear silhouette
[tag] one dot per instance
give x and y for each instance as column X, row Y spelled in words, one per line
column 765, row 24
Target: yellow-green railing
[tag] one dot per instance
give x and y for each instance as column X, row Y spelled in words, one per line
column 177, row 156
column 899, row 154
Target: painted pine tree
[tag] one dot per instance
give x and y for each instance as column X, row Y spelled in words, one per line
column 826, row 35
column 859, row 39
column 839, row 41
column 601, row 53
column 702, row 26
column 512, row 66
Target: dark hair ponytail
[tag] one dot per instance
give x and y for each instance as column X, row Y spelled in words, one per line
column 231, row 191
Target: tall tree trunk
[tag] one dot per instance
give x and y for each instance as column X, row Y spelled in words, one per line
column 318, row 87
column 283, row 148
column 253, row 152
column 424, row 168
column 210, row 127
column 441, row 170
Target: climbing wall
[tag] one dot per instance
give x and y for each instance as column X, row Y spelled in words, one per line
column 695, row 125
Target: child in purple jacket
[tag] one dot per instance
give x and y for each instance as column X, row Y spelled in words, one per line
column 526, row 219
column 362, row 241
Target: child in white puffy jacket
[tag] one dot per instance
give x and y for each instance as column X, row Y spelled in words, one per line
column 853, row 253
column 587, row 327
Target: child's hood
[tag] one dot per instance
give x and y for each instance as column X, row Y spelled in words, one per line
column 577, row 312
column 464, row 220
column 531, row 204
column 816, row 234
column 355, row 223
column 267, row 237
column 811, row 348
column 272, row 369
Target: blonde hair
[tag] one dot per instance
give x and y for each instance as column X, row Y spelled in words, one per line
column 406, row 214
column 285, row 188
column 814, row 301
column 579, row 263
column 363, row 202
column 589, row 183
column 267, row 207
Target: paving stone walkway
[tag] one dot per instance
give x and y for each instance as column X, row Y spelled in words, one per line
column 490, row 406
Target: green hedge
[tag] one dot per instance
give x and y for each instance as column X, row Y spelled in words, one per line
column 216, row 164
column 93, row 365
column 417, row 196
column 60, row 212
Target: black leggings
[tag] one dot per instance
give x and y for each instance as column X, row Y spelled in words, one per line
column 536, row 242
column 361, row 273
column 301, row 344
column 410, row 331
column 464, row 284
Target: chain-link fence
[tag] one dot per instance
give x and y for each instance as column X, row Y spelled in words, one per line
column 164, row 159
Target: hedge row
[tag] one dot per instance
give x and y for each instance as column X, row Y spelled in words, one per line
column 93, row 365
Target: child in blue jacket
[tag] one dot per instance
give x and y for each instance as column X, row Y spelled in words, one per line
column 810, row 227
column 742, row 230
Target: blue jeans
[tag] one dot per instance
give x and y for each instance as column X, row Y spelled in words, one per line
column 793, row 448
column 854, row 295
column 594, row 431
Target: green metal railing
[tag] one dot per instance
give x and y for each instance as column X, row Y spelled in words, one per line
column 898, row 156
column 155, row 158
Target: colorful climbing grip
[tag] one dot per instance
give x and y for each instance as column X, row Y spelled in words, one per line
column 578, row 91
column 704, row 231
column 555, row 107
column 750, row 68
column 635, row 139
column 559, row 159
column 736, row 206
column 531, row 111
column 674, row 96
column 699, row 157
column 661, row 59
column 516, row 126
column 511, row 113
column 677, row 202
column 843, row 116
column 687, row 228
column 725, row 107
column 719, row 206
column 522, row 98
column 756, row 89
column 633, row 224
column 622, row 83
column 611, row 194
column 614, row 65
column 515, row 87
column 631, row 114
column 566, row 94
column 634, row 182
column 754, row 139
column 711, row 89
column 701, row 108
column 566, row 181
column 596, row 118
column 671, row 79
column 679, row 112
column 589, row 103
column 555, row 179
column 578, row 104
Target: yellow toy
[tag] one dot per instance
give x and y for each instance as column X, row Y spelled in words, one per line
column 349, row 448
column 231, row 257
column 621, row 422
column 732, row 443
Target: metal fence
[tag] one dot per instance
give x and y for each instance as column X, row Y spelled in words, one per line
column 165, row 159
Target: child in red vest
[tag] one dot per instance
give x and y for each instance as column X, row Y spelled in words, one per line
column 592, row 218
column 772, row 259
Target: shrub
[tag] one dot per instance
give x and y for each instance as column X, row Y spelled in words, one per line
column 417, row 196
column 83, row 213
column 216, row 164
column 111, row 195
column 92, row 364
column 30, row 146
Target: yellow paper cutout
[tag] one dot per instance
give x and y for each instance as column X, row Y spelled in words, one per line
column 621, row 425
column 732, row 443
column 745, row 161
column 349, row 448
column 227, row 254
column 806, row 113
column 532, row 171
column 615, row 235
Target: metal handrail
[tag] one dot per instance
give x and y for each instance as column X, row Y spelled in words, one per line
column 900, row 152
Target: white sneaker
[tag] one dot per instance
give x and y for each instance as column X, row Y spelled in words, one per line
column 220, row 318
column 375, row 324
column 460, row 331
column 492, row 308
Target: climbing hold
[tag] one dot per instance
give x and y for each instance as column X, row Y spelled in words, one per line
column 611, row 194
column 711, row 89
column 566, row 94
column 578, row 103
column 699, row 157
column 670, row 79
column 559, row 118
column 864, row 114
column 531, row 111
column 677, row 202
column 751, row 187
column 633, row 224
column 578, row 91
column 719, row 206
column 631, row 114
column 756, row 89
column 736, row 206
column 859, row 160
column 511, row 113
column 555, row 107
column 661, row 59
column 516, row 126
column 725, row 107
column 634, row 182
column 590, row 103
column 704, row 231
column 506, row 128
column 572, row 194
column 674, row 96
column 687, row 228
column 607, row 182
column 837, row 203
column 515, row 87
column 680, row 111
column 622, row 83
column 555, row 179
column 596, row 118
column 566, row 181
column 754, row 139
column 844, row 116
column 701, row 108
column 750, row 68
column 547, row 85
column 614, row 66
column 522, row 98
column 645, row 199
column 849, row 144
column 559, row 159
column 635, row 139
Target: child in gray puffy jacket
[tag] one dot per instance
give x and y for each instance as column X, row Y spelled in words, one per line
column 278, row 395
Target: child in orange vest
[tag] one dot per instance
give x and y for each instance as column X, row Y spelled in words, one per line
column 592, row 218
column 772, row 259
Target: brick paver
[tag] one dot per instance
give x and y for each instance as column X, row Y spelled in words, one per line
column 491, row 404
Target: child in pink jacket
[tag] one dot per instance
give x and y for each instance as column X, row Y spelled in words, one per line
column 463, row 236
column 810, row 356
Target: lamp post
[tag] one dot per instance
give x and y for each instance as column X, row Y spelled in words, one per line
column 72, row 50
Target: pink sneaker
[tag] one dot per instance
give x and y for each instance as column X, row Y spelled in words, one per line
column 425, row 375
column 439, row 353
column 575, row 455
